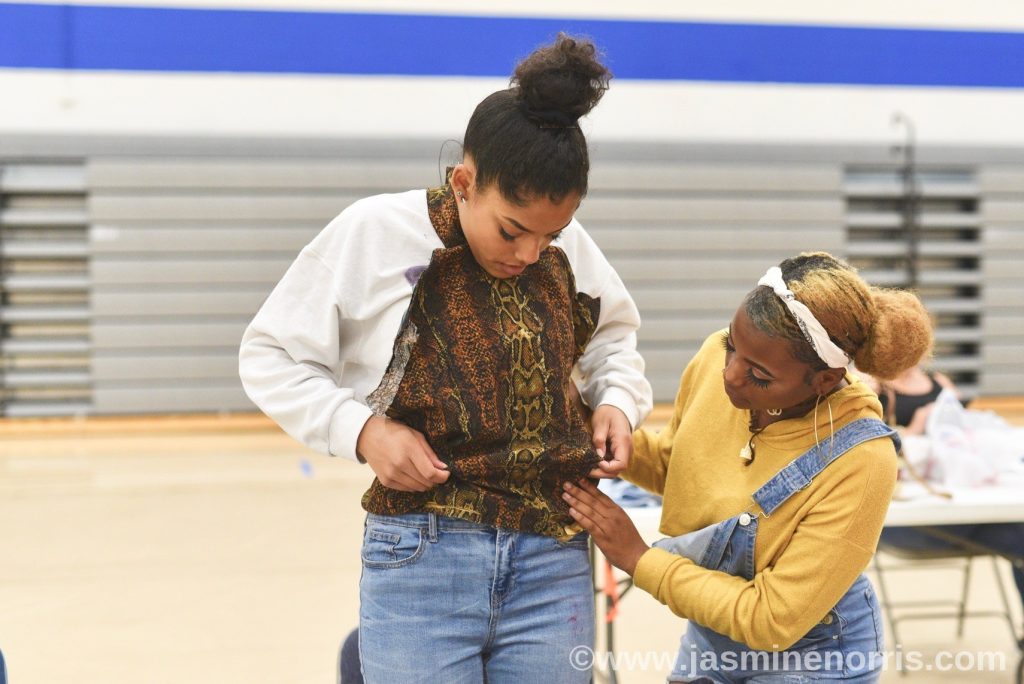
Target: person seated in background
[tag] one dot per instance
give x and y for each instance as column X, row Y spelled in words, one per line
column 907, row 402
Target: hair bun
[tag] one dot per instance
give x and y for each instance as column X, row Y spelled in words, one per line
column 901, row 335
column 559, row 83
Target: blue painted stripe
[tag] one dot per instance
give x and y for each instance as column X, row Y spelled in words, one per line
column 213, row 40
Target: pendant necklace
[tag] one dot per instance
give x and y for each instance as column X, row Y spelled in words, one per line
column 747, row 452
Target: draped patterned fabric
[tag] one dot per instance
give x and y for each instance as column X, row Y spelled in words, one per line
column 481, row 366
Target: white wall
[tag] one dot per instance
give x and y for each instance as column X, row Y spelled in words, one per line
column 249, row 104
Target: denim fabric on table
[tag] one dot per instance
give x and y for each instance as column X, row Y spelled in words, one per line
column 627, row 494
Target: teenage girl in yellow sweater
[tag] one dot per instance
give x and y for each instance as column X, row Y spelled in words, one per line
column 776, row 472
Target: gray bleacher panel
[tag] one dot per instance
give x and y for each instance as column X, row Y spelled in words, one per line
column 161, row 335
column 664, row 366
column 193, row 205
column 140, row 261
column 1005, row 354
column 44, row 283
column 1001, row 180
column 206, row 301
column 188, row 397
column 726, row 210
column 684, row 237
column 154, row 365
column 679, row 176
column 1003, row 295
column 178, row 244
column 186, row 250
column 175, row 238
column 259, row 173
column 197, row 270
column 1004, row 328
column 690, row 240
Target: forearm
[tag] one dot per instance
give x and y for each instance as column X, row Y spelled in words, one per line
column 301, row 397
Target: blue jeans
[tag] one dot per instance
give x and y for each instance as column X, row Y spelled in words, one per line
column 447, row 600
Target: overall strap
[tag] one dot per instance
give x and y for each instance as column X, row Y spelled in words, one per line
column 804, row 468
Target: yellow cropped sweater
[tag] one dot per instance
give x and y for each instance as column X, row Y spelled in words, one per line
column 807, row 553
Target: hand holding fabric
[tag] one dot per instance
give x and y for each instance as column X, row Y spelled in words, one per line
column 400, row 456
column 613, row 440
column 612, row 530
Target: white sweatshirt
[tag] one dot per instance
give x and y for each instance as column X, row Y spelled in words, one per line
column 323, row 339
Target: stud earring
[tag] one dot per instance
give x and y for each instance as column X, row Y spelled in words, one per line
column 461, row 196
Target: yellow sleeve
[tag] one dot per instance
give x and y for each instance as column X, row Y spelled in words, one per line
column 830, row 547
column 652, row 450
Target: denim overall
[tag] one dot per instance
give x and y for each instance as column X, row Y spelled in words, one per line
column 847, row 642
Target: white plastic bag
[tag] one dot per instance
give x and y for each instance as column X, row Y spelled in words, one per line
column 958, row 458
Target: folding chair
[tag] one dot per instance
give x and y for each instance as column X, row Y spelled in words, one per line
column 919, row 560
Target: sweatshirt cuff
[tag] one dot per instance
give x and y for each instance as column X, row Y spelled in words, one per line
column 652, row 568
column 346, row 424
column 622, row 400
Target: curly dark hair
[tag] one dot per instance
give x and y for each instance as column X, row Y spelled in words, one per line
column 526, row 138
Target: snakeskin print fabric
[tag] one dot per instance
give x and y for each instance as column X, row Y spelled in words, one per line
column 482, row 368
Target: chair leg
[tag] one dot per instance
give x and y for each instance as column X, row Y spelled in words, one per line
column 1006, row 601
column 962, row 613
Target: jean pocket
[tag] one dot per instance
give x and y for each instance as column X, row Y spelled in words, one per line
column 391, row 546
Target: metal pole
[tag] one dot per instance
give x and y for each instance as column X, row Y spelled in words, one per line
column 911, row 198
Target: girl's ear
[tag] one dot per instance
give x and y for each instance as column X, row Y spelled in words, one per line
column 462, row 179
column 827, row 380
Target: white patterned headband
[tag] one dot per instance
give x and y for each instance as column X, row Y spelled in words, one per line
column 827, row 350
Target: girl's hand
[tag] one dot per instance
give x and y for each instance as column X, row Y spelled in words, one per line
column 612, row 530
column 613, row 439
column 400, row 456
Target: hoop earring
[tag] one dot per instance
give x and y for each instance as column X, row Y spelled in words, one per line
column 814, row 420
column 831, row 430
column 831, row 426
column 773, row 412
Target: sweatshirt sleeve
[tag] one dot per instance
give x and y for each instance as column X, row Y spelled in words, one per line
column 289, row 360
column 611, row 369
column 832, row 544
column 331, row 305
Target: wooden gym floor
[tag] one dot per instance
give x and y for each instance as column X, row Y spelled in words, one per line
column 217, row 550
